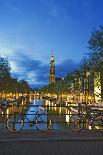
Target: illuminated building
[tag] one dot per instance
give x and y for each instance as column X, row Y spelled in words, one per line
column 97, row 87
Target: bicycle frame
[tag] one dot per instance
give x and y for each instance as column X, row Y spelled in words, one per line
column 24, row 117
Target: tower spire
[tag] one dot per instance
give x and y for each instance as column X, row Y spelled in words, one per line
column 52, row 69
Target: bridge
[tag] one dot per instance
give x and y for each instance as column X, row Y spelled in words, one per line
column 51, row 142
column 54, row 141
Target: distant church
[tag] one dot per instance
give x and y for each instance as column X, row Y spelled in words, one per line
column 52, row 70
column 52, row 76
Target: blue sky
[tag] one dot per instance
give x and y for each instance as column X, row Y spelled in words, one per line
column 31, row 29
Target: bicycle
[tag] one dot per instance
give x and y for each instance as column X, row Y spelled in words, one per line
column 97, row 122
column 85, row 115
column 16, row 121
column 4, row 105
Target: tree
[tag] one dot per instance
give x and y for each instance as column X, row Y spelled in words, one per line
column 96, row 53
column 4, row 73
column 4, row 67
column 23, row 86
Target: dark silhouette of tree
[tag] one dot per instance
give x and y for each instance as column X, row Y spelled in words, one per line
column 23, row 86
column 5, row 75
column 96, row 53
column 7, row 82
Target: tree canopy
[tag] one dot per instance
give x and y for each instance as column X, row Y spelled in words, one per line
column 7, row 82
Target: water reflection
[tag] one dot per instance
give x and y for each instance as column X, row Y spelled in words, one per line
column 67, row 116
column 60, row 115
column 7, row 112
column 31, row 110
column 57, row 114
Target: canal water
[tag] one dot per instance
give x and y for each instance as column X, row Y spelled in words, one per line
column 57, row 114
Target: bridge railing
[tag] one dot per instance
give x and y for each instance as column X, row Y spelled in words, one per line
column 59, row 114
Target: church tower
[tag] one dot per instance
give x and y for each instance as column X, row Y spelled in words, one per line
column 52, row 70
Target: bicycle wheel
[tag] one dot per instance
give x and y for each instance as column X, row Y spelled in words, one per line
column 43, row 122
column 76, row 123
column 97, row 123
column 14, row 123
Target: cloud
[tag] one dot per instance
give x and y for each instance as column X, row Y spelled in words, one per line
column 9, row 46
column 65, row 67
column 25, row 65
column 14, row 67
column 36, row 72
column 9, row 4
column 54, row 8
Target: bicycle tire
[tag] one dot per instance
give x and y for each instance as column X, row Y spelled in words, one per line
column 97, row 123
column 76, row 123
column 43, row 122
column 15, row 123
